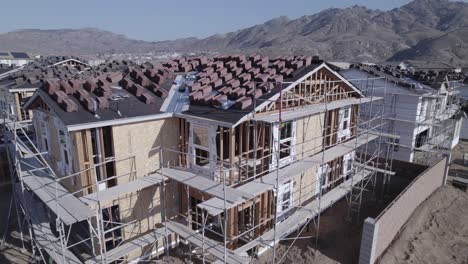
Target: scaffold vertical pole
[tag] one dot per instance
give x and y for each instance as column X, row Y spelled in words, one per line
column 322, row 165
column 277, row 168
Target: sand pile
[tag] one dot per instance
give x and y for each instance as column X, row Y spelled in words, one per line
column 437, row 232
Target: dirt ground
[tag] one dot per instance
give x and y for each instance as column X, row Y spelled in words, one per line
column 437, row 232
column 336, row 232
column 339, row 239
column 457, row 166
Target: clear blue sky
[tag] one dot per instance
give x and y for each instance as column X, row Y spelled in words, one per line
column 161, row 20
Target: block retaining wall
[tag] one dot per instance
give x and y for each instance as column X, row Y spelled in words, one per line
column 379, row 233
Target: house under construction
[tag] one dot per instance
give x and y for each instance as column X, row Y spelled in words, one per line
column 230, row 155
column 17, row 84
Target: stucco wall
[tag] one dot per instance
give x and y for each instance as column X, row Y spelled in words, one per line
column 378, row 233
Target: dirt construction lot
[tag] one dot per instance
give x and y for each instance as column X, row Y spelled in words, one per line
column 437, row 232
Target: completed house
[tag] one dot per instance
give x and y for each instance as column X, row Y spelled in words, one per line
column 12, row 58
column 422, row 108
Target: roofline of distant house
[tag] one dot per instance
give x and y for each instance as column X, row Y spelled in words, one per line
column 60, row 62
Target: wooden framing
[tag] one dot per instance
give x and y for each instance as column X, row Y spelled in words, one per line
column 22, row 114
column 246, row 148
column 183, row 142
column 232, row 140
column 82, row 160
column 312, row 91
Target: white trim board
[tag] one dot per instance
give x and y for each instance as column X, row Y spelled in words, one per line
column 121, row 121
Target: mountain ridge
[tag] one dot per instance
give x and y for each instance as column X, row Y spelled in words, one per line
column 418, row 30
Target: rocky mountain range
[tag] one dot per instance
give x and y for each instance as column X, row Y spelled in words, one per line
column 420, row 30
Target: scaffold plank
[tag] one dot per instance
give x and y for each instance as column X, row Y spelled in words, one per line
column 55, row 196
column 130, row 246
column 383, row 134
column 206, row 185
column 43, row 235
column 113, row 193
column 341, row 149
column 370, row 168
column 215, row 206
column 424, row 122
column 303, row 214
column 313, row 109
column 211, row 246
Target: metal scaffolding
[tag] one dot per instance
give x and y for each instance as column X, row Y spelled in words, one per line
column 371, row 145
column 52, row 212
column 365, row 168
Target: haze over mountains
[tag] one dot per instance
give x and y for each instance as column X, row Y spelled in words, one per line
column 420, row 30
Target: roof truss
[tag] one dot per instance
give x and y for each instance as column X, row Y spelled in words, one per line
column 317, row 87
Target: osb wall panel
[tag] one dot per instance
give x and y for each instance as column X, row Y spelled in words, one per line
column 141, row 141
column 146, row 209
column 392, row 219
column 306, row 186
column 81, row 152
column 151, row 249
column 309, row 135
column 54, row 152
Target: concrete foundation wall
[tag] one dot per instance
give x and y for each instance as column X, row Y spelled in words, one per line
column 379, row 233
